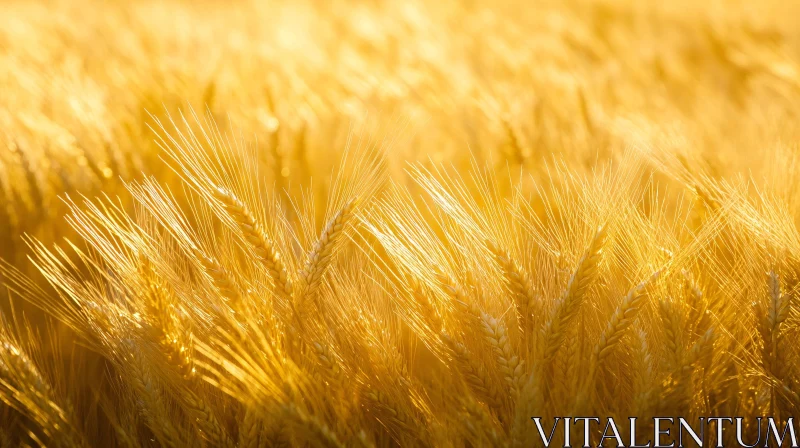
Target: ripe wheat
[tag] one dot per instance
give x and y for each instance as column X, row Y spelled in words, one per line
column 396, row 223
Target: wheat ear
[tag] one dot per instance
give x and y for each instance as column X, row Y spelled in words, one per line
column 676, row 391
column 396, row 416
column 671, row 323
column 203, row 416
column 152, row 404
column 537, row 386
column 480, row 423
column 462, row 301
column 770, row 325
column 643, row 376
column 124, row 428
column 620, row 321
column 518, row 282
column 569, row 304
column 174, row 342
column 697, row 302
column 514, row 146
column 329, row 367
column 531, row 402
column 509, row 363
column 699, row 350
column 706, row 199
column 319, row 258
column 253, row 232
column 23, row 388
column 220, row 276
column 249, row 430
column 275, row 432
column 429, row 311
column 565, row 364
column 475, row 376
column 312, row 429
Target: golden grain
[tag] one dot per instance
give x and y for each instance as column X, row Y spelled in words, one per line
column 254, row 234
column 396, row 223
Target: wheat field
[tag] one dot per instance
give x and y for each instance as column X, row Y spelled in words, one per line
column 403, row 223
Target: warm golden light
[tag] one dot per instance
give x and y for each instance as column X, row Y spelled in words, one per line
column 398, row 223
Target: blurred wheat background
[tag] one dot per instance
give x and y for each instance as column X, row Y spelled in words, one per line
column 394, row 223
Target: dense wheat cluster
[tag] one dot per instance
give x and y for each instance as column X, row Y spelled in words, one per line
column 400, row 223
